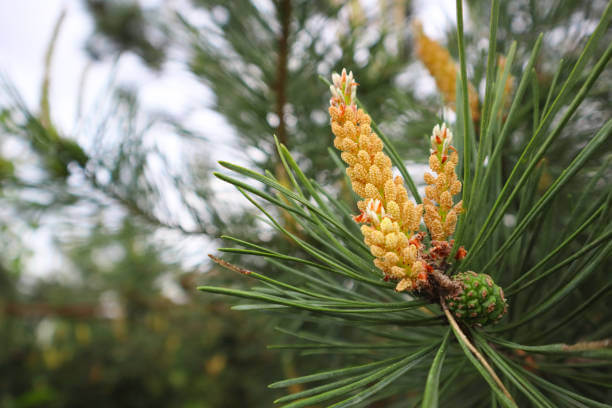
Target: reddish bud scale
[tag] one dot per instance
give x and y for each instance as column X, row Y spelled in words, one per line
column 461, row 253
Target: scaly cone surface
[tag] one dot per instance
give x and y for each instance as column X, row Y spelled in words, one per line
column 479, row 301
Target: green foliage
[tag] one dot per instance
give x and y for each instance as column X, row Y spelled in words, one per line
column 526, row 219
column 122, row 26
column 113, row 339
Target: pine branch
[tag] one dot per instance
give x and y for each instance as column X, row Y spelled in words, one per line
column 463, row 338
column 284, row 12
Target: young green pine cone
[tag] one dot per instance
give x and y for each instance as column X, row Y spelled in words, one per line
column 479, row 301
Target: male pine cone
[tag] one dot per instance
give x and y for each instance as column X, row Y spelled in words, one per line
column 479, row 301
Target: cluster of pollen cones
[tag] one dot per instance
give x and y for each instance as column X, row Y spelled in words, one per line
column 391, row 220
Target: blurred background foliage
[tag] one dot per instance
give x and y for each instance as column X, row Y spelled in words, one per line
column 118, row 322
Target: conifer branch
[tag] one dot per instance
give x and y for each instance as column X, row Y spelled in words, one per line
column 466, row 341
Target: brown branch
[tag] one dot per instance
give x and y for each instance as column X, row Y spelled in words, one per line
column 473, row 349
column 284, row 11
column 87, row 311
column 37, row 310
column 445, row 285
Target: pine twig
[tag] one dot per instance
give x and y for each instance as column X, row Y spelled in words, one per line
column 473, row 349
column 284, row 11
